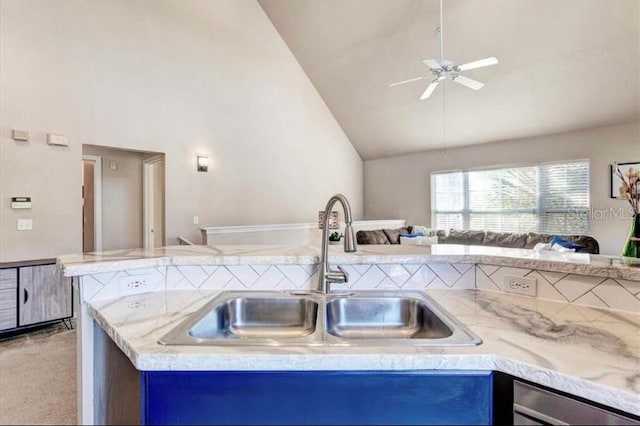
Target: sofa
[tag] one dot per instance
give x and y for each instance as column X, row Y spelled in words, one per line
column 478, row 238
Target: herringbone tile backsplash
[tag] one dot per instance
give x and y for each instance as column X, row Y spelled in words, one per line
column 579, row 289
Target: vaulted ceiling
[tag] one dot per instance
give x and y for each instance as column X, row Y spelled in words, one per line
column 564, row 65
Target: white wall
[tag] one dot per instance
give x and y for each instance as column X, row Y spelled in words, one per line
column 400, row 186
column 121, row 197
column 285, row 234
column 180, row 77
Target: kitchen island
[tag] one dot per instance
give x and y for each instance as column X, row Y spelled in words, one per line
column 589, row 352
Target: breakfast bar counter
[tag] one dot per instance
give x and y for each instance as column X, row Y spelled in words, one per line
column 591, row 352
column 578, row 263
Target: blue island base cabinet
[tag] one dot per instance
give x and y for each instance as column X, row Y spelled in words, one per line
column 316, row 397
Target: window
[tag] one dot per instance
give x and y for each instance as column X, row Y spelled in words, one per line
column 549, row 198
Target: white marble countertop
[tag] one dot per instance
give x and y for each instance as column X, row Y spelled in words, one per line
column 588, row 352
column 576, row 263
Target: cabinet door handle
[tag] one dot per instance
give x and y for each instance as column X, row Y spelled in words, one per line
column 26, row 295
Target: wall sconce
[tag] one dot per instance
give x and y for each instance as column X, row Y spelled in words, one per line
column 203, row 164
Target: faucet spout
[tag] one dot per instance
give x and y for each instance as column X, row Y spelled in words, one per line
column 327, row 275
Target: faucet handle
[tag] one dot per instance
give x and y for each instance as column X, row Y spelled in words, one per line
column 345, row 273
column 339, row 276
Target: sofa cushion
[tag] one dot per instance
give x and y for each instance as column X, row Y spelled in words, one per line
column 496, row 239
column 589, row 244
column 533, row 238
column 506, row 239
column 442, row 235
column 394, row 234
column 491, row 238
column 474, row 238
column 563, row 242
column 376, row 236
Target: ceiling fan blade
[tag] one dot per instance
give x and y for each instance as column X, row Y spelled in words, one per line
column 469, row 82
column 411, row 80
column 478, row 64
column 432, row 63
column 430, row 88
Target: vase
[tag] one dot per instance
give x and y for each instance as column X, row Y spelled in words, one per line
column 632, row 246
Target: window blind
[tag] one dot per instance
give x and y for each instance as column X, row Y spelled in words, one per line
column 549, row 198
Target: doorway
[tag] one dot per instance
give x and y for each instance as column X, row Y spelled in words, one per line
column 128, row 191
column 91, row 203
column 153, row 201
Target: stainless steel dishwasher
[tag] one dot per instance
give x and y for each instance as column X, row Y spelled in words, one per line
column 536, row 406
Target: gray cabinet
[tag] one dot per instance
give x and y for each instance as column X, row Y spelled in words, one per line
column 8, row 298
column 33, row 292
column 43, row 295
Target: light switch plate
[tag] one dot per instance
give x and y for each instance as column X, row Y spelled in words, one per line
column 20, row 203
column 25, row 225
column 55, row 139
column 20, row 135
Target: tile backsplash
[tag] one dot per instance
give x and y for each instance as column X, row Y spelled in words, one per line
column 565, row 287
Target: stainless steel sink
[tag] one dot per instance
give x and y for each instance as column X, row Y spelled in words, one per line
column 248, row 317
column 308, row 319
column 258, row 317
column 376, row 317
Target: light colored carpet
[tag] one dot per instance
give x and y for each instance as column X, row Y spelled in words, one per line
column 38, row 378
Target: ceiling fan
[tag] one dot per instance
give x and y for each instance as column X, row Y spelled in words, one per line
column 445, row 68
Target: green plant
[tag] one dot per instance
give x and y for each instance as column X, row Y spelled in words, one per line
column 335, row 236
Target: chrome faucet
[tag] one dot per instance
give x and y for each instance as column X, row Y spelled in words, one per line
column 328, row 275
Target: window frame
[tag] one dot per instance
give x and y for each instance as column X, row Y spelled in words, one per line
column 538, row 211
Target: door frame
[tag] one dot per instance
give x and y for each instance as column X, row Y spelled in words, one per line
column 97, row 199
column 147, row 200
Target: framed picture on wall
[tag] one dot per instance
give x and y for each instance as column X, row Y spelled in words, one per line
column 616, row 182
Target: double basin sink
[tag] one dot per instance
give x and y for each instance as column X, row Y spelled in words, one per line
column 273, row 318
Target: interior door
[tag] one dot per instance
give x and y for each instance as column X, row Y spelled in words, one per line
column 158, row 203
column 88, row 203
column 91, row 203
column 153, row 201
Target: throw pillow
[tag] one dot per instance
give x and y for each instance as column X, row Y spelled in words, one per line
column 561, row 249
column 556, row 240
column 372, row 237
column 542, row 247
column 418, row 241
column 419, row 229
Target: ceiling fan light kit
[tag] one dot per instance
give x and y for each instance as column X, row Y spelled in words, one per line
column 445, row 68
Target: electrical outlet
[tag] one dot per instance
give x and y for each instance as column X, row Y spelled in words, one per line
column 136, row 304
column 520, row 285
column 24, row 225
column 133, row 284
